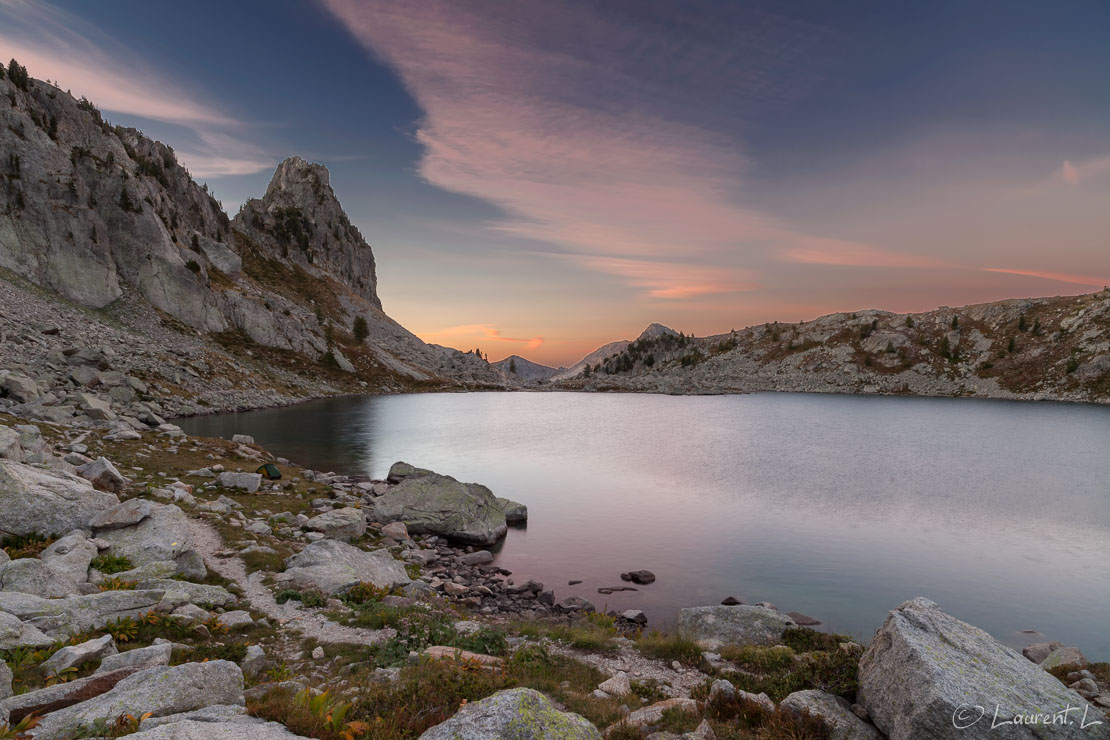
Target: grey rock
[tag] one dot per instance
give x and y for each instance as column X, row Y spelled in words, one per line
column 95, row 408
column 190, row 613
column 154, row 655
column 70, row 557
column 14, row 634
column 5, row 687
column 653, row 713
column 333, row 566
column 73, row 614
column 103, row 475
column 926, row 673
column 515, row 513
column 73, row 656
column 37, row 501
column 835, row 712
column 254, row 662
column 162, row 535
column 399, row 471
column 10, row 447
column 160, row 691
column 248, row 482
column 345, row 524
column 217, row 713
column 202, row 594
column 237, row 618
column 1037, row 652
column 1064, row 656
column 125, row 515
column 242, row 439
column 20, row 387
column 211, row 730
column 713, row 626
column 62, row 695
column 618, row 685
column 32, row 576
column 396, row 531
column 520, row 714
column 478, row 557
column 438, row 504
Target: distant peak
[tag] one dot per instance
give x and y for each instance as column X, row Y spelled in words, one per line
column 294, row 173
column 657, row 330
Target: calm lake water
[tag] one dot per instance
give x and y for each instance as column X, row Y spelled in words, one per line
column 840, row 507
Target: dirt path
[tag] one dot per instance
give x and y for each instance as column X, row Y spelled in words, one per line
column 208, row 542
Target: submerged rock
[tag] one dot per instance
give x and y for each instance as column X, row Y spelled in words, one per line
column 927, row 674
column 520, row 714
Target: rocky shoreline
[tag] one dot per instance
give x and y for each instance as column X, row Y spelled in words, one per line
column 137, row 554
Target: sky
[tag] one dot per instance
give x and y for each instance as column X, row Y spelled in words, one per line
column 540, row 178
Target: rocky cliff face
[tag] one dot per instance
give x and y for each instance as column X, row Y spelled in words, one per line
column 1045, row 348
column 94, row 212
column 301, row 219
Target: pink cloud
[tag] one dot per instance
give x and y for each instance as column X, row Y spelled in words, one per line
column 1061, row 277
column 595, row 134
column 455, row 334
column 1082, row 172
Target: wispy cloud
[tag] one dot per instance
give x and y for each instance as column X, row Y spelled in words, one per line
column 1060, row 277
column 1083, row 172
column 601, row 131
column 58, row 46
column 834, row 252
column 455, row 334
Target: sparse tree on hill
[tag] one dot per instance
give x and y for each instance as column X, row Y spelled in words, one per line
column 512, row 366
column 361, row 329
column 955, row 322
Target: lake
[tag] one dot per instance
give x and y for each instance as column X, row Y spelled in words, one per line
column 840, row 507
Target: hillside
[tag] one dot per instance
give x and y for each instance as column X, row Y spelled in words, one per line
column 526, row 370
column 1044, row 348
column 98, row 217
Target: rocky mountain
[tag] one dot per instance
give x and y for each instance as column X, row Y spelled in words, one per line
column 526, row 370
column 1045, row 348
column 95, row 214
column 601, row 355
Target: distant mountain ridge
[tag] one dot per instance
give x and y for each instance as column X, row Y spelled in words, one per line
column 1042, row 348
column 527, row 370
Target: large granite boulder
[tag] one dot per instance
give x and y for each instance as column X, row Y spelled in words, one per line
column 468, row 513
column 333, row 566
column 192, row 729
column 32, row 576
column 74, row 614
column 345, row 524
column 72, row 656
column 14, row 634
column 103, row 475
column 19, row 387
column 402, row 470
column 713, row 626
column 159, row 691
column 520, row 714
column 927, row 674
column 835, row 712
column 147, row 532
column 37, row 501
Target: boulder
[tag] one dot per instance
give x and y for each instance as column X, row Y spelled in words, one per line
column 835, row 712
column 396, row 531
column 72, row 656
column 125, row 515
column 103, row 475
column 32, row 576
column 216, row 713
column 641, row 577
column 15, row 634
column 249, row 482
column 159, row 691
column 202, row 594
column 345, row 524
column 1037, row 652
column 927, row 674
column 333, row 566
column 515, row 513
column 62, row 695
column 438, row 504
column 479, row 557
column 37, row 501
column 653, row 714
column 147, row 657
column 95, row 408
column 10, row 447
column 713, row 626
column 402, row 470
column 20, row 387
column 74, row 614
column 520, row 714
column 70, row 557
column 242, row 439
column 618, row 685
column 5, row 686
column 164, row 534
column 1064, row 656
column 237, row 618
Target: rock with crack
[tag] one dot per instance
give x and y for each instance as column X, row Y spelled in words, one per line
column 523, row 714
column 70, row 556
column 345, row 524
column 159, row 691
column 201, row 594
column 32, row 576
column 438, row 504
column 713, row 626
column 73, row 656
column 834, row 711
column 34, row 501
column 62, row 695
column 928, row 674
column 192, row 729
column 653, row 714
column 148, row 532
column 333, row 566
column 15, row 634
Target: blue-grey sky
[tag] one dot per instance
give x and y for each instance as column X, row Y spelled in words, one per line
column 539, row 178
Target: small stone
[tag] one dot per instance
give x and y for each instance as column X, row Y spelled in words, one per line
column 318, row 653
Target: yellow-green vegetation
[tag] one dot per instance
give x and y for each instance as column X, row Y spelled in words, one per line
column 669, row 646
column 738, row 719
column 25, row 545
column 109, row 564
column 585, row 634
column 428, row 693
column 809, row 660
column 1101, row 671
column 117, row 584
